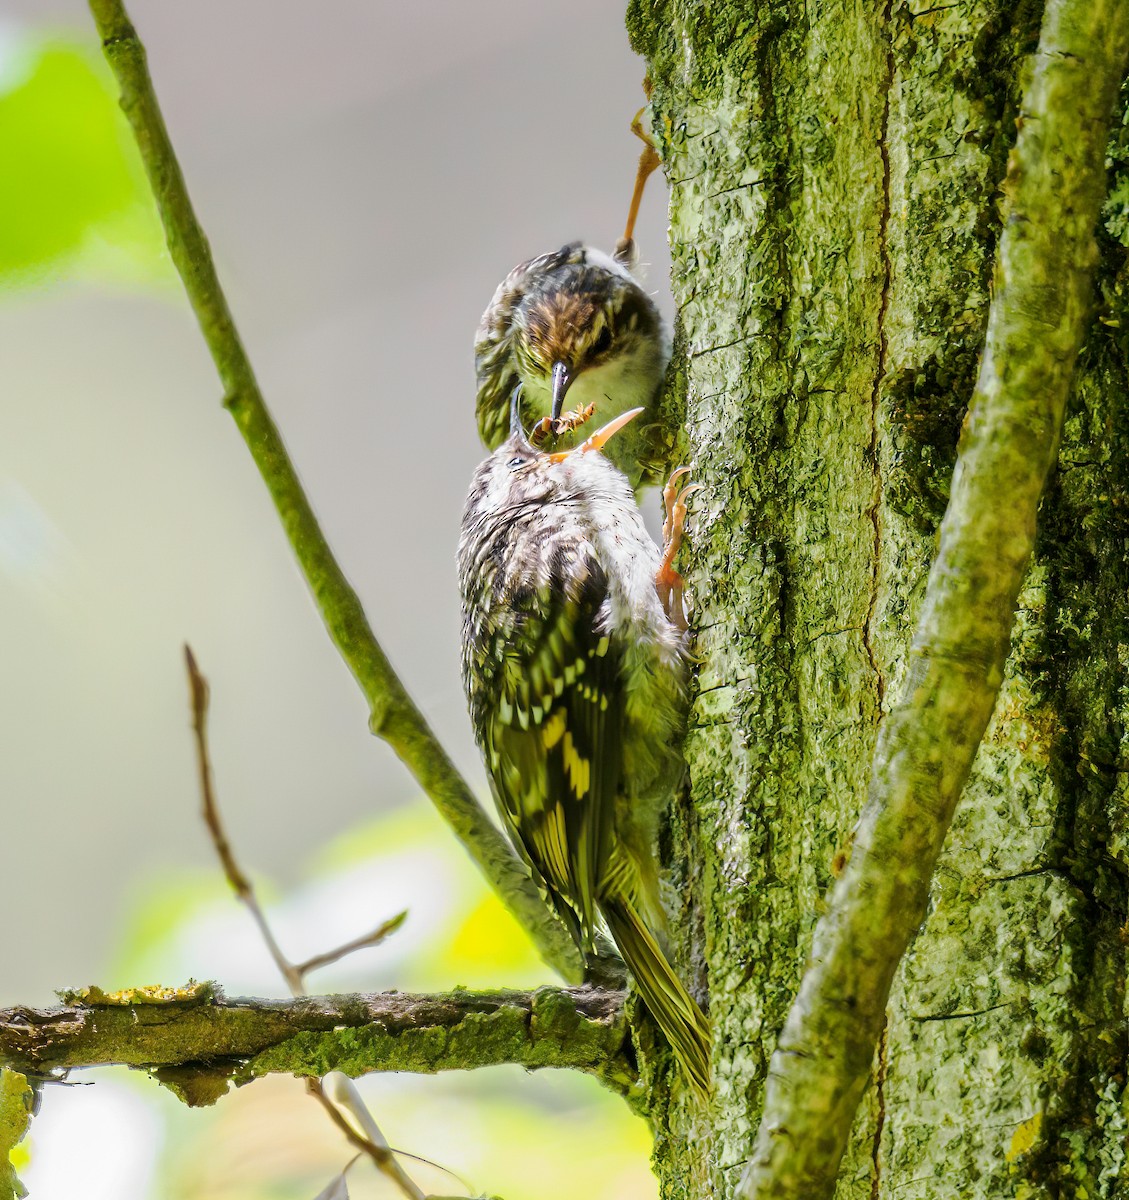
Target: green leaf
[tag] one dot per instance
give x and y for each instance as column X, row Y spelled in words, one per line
column 74, row 200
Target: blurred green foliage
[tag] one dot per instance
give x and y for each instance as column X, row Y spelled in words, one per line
column 544, row 1135
column 75, row 205
column 74, row 202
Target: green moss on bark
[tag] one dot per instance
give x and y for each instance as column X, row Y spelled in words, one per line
column 832, row 258
column 16, row 1103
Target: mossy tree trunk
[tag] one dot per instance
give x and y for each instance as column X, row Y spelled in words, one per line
column 835, row 173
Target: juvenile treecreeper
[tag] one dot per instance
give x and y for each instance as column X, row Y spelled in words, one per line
column 575, row 667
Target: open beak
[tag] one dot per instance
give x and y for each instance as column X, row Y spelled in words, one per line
column 517, row 429
column 562, row 380
column 600, row 438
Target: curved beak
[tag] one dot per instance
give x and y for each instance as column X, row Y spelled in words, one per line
column 516, row 427
column 600, row 438
column 562, row 381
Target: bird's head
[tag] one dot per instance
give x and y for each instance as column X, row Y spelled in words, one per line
column 519, row 474
column 582, row 319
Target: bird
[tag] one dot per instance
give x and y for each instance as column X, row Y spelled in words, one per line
column 576, row 323
column 576, row 675
column 571, row 323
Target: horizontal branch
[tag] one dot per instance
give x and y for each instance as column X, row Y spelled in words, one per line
column 196, row 1040
column 1042, row 298
column 392, row 714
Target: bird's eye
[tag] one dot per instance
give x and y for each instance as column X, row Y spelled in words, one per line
column 602, row 344
column 514, row 463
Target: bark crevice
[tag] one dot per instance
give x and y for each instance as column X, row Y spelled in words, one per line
column 874, row 513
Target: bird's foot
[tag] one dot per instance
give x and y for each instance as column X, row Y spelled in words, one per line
column 668, row 582
column 625, row 251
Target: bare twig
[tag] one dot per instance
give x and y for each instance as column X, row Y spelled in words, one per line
column 372, row 1142
column 294, row 974
column 198, row 692
column 392, row 714
column 1055, row 185
column 362, row 943
column 346, row 1095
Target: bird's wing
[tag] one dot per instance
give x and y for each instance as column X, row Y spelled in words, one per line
column 552, row 741
column 494, row 368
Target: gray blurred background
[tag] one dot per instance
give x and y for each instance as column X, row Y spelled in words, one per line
column 367, row 171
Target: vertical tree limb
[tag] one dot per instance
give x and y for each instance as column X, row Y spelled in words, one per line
column 392, row 714
column 1054, row 187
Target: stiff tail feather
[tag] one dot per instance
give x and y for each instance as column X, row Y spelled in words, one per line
column 677, row 1015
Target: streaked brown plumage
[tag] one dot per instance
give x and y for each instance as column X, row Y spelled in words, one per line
column 572, row 323
column 576, row 676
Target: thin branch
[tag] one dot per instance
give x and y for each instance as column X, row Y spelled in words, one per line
column 372, row 1143
column 1055, row 184
column 346, row 1096
column 392, row 714
column 294, row 974
column 365, row 942
column 198, row 1030
column 240, row 885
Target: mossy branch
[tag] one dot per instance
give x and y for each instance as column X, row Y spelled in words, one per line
column 1055, row 185
column 16, row 1103
column 392, row 714
column 196, row 1040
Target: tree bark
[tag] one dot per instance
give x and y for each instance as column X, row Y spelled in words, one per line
column 835, row 176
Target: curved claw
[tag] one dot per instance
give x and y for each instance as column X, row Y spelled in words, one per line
column 668, row 582
column 671, row 500
column 669, row 490
column 680, row 502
